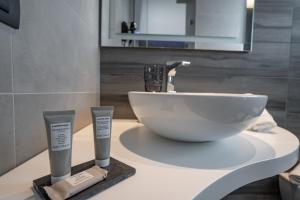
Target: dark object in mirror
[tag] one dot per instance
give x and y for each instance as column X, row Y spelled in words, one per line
column 4, row 5
column 153, row 76
column 10, row 13
column 124, row 29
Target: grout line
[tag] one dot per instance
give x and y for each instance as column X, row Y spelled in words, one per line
column 13, row 100
column 56, row 93
column 35, row 93
column 5, row 93
column 14, row 129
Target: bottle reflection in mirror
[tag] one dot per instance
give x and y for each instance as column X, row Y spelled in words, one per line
column 153, row 76
column 124, row 29
column 133, row 27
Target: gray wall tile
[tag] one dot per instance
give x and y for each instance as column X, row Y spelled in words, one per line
column 7, row 138
column 252, row 196
column 277, row 35
column 274, row 13
column 296, row 25
column 297, row 3
column 294, row 71
column 30, row 128
column 5, row 59
column 267, row 60
column 293, row 98
column 55, row 51
column 267, row 189
column 293, row 124
column 273, row 20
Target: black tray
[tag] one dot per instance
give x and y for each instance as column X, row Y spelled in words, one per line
column 117, row 171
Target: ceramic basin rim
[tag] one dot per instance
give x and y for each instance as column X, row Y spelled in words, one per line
column 223, row 95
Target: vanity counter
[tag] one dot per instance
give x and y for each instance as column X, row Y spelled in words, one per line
column 167, row 169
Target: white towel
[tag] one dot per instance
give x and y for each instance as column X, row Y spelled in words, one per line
column 263, row 124
column 294, row 175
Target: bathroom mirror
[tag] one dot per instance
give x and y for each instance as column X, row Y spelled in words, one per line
column 184, row 24
column 10, row 13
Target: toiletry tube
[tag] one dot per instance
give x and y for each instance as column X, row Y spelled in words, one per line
column 102, row 121
column 59, row 127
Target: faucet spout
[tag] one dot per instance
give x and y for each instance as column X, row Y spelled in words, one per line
column 170, row 72
column 174, row 64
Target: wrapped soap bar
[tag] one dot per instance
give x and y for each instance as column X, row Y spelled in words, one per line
column 72, row 185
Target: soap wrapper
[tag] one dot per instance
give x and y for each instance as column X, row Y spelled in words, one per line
column 76, row 183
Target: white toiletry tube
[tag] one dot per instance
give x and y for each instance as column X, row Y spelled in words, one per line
column 59, row 127
column 102, row 122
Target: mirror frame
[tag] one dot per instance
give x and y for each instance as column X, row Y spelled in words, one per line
column 214, row 46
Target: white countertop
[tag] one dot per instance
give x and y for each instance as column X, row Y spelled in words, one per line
column 167, row 169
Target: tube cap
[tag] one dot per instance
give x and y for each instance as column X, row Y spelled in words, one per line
column 102, row 163
column 56, row 179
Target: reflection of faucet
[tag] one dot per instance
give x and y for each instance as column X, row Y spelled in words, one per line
column 169, row 74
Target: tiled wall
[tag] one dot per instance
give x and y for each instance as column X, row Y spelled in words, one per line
column 271, row 68
column 50, row 63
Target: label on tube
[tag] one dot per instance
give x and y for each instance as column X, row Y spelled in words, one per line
column 103, row 127
column 60, row 136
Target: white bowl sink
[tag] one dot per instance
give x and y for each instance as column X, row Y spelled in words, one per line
column 196, row 117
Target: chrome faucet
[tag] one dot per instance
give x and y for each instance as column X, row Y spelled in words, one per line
column 169, row 74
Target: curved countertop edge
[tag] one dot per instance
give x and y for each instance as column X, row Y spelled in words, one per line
column 283, row 160
column 248, row 174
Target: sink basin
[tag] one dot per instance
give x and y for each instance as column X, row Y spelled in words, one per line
column 196, row 117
